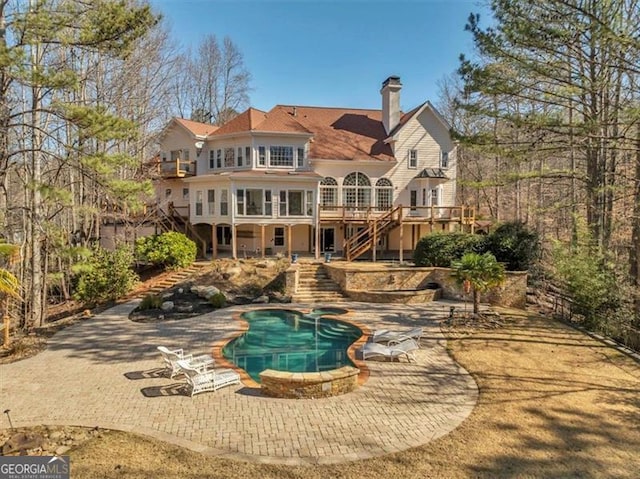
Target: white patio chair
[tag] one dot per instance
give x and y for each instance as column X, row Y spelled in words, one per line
column 395, row 337
column 210, row 380
column 172, row 356
column 395, row 351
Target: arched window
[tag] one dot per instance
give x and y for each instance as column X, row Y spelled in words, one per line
column 328, row 193
column 384, row 194
column 356, row 190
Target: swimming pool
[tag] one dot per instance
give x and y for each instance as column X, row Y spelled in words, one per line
column 290, row 340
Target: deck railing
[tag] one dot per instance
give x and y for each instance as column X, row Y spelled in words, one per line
column 176, row 168
column 464, row 214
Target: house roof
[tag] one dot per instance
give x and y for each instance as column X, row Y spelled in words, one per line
column 338, row 133
column 195, row 127
column 341, row 133
column 244, row 122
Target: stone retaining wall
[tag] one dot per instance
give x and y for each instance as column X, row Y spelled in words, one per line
column 395, row 297
column 381, row 277
column 282, row 384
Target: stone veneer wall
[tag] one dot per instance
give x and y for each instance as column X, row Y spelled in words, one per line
column 282, row 384
column 513, row 293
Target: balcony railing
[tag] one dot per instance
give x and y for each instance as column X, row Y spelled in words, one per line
column 464, row 214
column 176, row 168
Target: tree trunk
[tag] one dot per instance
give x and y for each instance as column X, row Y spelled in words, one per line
column 476, row 303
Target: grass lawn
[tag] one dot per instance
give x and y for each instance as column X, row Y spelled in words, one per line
column 553, row 403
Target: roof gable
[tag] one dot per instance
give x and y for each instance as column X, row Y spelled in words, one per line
column 414, row 114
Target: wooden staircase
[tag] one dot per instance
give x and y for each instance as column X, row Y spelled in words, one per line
column 171, row 221
column 367, row 238
column 315, row 286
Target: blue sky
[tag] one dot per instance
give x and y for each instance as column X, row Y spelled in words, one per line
column 332, row 53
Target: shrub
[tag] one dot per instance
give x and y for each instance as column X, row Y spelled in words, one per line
column 106, row 275
column 514, row 245
column 590, row 281
column 218, row 300
column 170, row 250
column 150, row 301
column 440, row 249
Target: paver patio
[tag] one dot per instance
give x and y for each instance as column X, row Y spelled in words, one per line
column 105, row 372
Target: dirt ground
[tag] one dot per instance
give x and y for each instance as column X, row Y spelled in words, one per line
column 553, row 403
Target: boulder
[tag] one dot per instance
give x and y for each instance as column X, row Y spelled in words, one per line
column 184, row 308
column 167, row 306
column 234, row 271
column 261, row 299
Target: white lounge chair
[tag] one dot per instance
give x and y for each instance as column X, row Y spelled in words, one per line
column 395, row 337
column 172, row 356
column 210, row 380
column 395, row 351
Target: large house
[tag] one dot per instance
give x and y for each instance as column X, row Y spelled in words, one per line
column 301, row 179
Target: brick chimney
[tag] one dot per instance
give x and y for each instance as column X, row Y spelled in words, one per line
column 391, row 102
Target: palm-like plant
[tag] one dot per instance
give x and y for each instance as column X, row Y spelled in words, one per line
column 480, row 272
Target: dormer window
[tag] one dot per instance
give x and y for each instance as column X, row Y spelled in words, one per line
column 413, row 158
column 444, row 159
column 300, row 157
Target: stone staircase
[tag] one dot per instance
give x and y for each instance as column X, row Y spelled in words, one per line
column 165, row 281
column 315, row 286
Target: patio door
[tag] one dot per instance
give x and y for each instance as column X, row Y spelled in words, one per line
column 327, row 240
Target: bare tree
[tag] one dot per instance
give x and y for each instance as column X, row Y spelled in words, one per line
column 212, row 83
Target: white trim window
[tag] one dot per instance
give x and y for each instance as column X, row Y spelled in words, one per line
column 262, row 156
column 247, row 155
column 356, row 190
column 329, row 193
column 281, row 156
column 434, row 199
column 211, row 202
column 444, row 159
column 218, row 158
column 212, row 159
column 240, row 202
column 229, row 157
column 384, row 194
column 413, row 159
column 199, row 203
column 300, row 158
column 268, row 203
column 224, row 203
column 309, row 203
column 240, row 158
column 296, row 203
column 185, row 194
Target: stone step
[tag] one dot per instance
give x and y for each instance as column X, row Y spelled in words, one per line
column 318, row 299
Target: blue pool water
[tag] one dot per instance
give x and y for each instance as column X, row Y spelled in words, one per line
column 289, row 340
